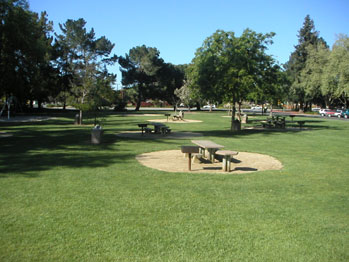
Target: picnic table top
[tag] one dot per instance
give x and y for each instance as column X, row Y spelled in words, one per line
column 206, row 144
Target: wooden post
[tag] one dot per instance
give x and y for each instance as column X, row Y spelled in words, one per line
column 189, row 161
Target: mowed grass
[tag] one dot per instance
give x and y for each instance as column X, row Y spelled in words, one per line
column 63, row 199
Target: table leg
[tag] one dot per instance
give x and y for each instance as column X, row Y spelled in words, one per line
column 226, row 163
column 211, row 152
column 224, row 167
column 189, row 161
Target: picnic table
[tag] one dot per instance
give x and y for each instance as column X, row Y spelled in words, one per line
column 159, row 128
column 208, row 145
column 142, row 126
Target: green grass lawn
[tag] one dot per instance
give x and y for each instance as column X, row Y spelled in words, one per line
column 63, row 199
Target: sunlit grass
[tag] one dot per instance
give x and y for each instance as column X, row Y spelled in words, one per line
column 63, row 199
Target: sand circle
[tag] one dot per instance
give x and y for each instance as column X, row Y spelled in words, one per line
column 175, row 161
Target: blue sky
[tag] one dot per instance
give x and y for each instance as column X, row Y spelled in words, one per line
column 178, row 27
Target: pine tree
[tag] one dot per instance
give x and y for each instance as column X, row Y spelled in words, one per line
column 307, row 36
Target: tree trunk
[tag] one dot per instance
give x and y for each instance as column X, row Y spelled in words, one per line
column 80, row 117
column 235, row 123
column 138, row 105
column 198, row 106
column 139, row 99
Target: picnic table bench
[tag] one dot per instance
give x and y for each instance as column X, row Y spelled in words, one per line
column 190, row 151
column 274, row 122
column 227, row 156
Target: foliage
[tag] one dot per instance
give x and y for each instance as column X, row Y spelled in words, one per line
column 307, row 37
column 185, row 94
column 228, row 68
column 25, row 53
column 85, row 58
column 139, row 69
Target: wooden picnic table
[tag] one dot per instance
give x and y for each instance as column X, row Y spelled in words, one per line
column 157, row 127
column 208, row 145
column 142, row 126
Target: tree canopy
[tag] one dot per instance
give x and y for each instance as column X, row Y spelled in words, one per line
column 228, row 68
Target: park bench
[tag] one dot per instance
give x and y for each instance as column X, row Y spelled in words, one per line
column 267, row 124
column 190, row 151
column 227, row 156
column 165, row 130
column 274, row 122
column 148, row 130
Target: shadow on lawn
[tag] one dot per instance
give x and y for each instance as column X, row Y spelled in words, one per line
column 294, row 128
column 38, row 148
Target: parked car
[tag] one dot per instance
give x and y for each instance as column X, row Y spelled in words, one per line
column 345, row 113
column 338, row 113
column 209, row 106
column 256, row 108
column 330, row 112
column 322, row 111
column 326, row 112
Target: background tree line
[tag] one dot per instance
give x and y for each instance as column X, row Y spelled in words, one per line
column 71, row 68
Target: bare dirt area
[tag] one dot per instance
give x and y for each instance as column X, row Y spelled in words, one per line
column 175, row 161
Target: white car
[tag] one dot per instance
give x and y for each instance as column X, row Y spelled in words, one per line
column 208, row 106
column 256, row 108
column 338, row 113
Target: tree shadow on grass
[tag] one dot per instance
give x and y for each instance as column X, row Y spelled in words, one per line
column 36, row 149
column 294, row 129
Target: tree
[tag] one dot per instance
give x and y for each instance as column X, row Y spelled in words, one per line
column 307, row 36
column 227, row 68
column 170, row 78
column 139, row 70
column 336, row 72
column 185, row 94
column 86, row 58
column 25, row 53
column 312, row 74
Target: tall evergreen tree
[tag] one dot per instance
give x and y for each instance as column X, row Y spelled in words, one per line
column 307, row 36
column 85, row 58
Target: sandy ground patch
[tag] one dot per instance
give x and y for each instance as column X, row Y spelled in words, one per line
column 174, row 161
column 172, row 135
column 184, row 121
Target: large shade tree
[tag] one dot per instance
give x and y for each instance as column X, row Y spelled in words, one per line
column 26, row 71
column 227, row 68
column 85, row 57
column 139, row 70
